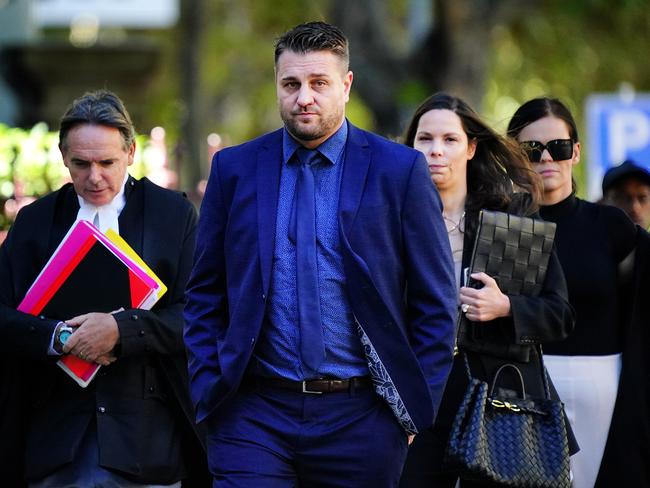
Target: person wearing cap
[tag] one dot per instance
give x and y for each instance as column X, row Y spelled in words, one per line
column 627, row 187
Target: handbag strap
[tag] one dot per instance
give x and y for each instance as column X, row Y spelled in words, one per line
column 467, row 369
column 519, row 375
column 545, row 377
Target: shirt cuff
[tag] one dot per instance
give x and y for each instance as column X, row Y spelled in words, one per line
column 51, row 351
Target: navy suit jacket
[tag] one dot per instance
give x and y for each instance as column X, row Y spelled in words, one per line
column 397, row 263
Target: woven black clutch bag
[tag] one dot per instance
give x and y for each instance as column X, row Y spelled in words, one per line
column 513, row 250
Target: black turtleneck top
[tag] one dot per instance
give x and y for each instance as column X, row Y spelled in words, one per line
column 591, row 241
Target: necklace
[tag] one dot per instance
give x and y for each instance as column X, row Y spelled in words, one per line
column 455, row 225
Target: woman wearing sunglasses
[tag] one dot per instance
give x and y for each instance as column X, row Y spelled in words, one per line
column 474, row 168
column 592, row 242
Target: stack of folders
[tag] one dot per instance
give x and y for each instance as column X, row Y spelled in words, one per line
column 91, row 272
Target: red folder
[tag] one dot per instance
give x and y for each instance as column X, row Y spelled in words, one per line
column 89, row 273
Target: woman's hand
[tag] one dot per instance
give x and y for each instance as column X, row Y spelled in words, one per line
column 486, row 303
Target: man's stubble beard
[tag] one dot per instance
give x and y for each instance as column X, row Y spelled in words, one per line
column 327, row 126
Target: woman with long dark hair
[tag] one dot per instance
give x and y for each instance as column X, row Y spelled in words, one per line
column 474, row 168
column 595, row 244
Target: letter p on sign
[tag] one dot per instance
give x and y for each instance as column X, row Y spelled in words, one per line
column 617, row 129
column 629, row 131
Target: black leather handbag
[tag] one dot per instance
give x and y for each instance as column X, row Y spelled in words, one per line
column 512, row 440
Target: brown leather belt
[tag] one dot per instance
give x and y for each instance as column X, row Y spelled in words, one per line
column 316, row 387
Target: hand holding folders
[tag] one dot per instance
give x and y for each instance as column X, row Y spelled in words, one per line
column 90, row 272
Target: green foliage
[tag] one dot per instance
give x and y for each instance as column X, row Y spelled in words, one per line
column 563, row 48
column 30, row 162
column 568, row 49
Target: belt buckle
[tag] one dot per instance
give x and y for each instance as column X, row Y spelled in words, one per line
column 305, row 390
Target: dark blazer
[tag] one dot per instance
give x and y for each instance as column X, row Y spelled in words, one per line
column 627, row 452
column 533, row 320
column 397, row 264
column 139, row 403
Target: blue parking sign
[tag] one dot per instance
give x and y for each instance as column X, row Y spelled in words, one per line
column 618, row 128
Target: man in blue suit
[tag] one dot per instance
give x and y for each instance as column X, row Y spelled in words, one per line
column 319, row 322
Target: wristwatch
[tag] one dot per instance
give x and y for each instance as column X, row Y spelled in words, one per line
column 61, row 336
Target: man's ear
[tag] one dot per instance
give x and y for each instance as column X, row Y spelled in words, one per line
column 62, row 151
column 347, row 83
column 131, row 153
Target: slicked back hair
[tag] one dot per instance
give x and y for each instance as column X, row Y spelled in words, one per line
column 314, row 36
column 538, row 108
column 101, row 107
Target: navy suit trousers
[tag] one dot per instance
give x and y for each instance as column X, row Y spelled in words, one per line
column 267, row 437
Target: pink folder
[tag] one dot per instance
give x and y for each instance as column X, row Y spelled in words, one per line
column 60, row 287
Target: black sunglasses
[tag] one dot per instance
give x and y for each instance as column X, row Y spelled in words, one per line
column 559, row 149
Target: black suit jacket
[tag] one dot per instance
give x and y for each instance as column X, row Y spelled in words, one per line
column 140, row 403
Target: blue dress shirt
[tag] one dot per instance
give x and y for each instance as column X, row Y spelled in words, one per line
column 278, row 349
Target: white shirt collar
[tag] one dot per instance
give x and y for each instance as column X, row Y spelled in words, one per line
column 107, row 214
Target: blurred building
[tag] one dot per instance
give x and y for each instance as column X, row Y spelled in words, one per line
column 52, row 51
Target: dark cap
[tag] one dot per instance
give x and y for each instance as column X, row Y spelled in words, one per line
column 625, row 170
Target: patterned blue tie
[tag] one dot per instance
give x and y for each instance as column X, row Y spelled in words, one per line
column 312, row 348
